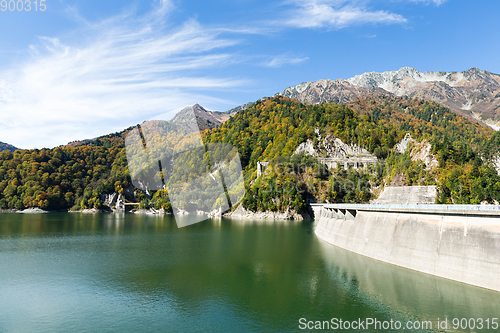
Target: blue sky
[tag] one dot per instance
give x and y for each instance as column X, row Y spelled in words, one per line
column 85, row 68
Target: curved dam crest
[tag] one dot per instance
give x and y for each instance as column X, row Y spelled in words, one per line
column 456, row 244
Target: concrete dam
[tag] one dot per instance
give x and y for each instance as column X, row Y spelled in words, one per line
column 457, row 242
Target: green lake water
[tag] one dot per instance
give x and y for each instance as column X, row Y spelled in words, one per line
column 135, row 273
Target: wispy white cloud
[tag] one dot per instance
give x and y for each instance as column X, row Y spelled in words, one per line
column 111, row 74
column 126, row 71
column 164, row 7
column 336, row 14
column 436, row 2
column 281, row 60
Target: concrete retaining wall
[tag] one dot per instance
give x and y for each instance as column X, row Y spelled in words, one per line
column 460, row 248
column 407, row 195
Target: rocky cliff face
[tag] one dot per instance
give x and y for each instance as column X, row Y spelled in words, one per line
column 330, row 147
column 473, row 93
column 235, row 110
column 419, row 151
column 496, row 163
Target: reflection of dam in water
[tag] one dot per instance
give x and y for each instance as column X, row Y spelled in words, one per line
column 422, row 296
column 457, row 242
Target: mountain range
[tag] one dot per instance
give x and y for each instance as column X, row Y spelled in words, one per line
column 473, row 93
column 85, row 174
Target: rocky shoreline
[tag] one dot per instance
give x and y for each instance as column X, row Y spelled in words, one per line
column 89, row 211
column 238, row 213
column 24, row 211
column 242, row 213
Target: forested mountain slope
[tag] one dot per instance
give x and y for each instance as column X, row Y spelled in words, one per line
column 76, row 176
column 272, row 129
column 276, row 126
column 63, row 177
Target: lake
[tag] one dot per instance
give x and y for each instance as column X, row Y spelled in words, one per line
column 65, row 272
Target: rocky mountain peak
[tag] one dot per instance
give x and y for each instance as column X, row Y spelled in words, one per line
column 298, row 89
column 475, row 74
column 473, row 93
column 6, row 146
column 473, row 70
column 391, row 80
column 338, row 91
column 205, row 119
column 199, row 107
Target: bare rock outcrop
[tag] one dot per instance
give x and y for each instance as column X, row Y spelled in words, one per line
column 496, row 162
column 34, row 210
column 331, row 147
column 419, row 151
column 243, row 213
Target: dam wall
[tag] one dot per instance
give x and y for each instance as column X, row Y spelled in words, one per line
column 460, row 247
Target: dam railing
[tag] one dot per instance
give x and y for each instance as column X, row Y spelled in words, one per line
column 419, row 209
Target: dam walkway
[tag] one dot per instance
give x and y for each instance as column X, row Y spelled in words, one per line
column 459, row 210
